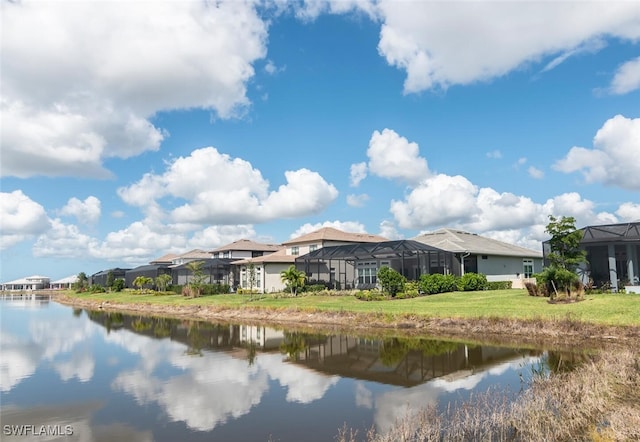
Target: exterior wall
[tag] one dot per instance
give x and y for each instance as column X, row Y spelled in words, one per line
column 27, row 284
column 505, row 268
column 271, row 281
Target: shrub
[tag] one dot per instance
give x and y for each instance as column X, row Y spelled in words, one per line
column 314, row 288
column 438, row 283
column 95, row 288
column 390, row 280
column 370, row 295
column 499, row 285
column 411, row 290
column 118, row 285
column 472, row 282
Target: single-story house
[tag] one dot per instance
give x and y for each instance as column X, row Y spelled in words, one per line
column 64, row 283
column 150, row 271
column 101, row 278
column 215, row 270
column 613, row 251
column 356, row 265
column 498, row 260
column 34, row 282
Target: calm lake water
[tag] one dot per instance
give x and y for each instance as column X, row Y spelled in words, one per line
column 95, row 376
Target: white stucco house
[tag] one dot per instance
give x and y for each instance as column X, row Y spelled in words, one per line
column 498, row 260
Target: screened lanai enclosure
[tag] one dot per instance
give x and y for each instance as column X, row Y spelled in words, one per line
column 612, row 254
column 356, row 265
column 215, row 271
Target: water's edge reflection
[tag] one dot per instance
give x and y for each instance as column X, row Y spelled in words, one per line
column 156, row 378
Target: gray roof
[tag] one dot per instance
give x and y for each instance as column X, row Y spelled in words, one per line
column 458, row 241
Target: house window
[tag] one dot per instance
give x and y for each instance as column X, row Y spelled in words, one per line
column 295, row 250
column 485, row 257
column 313, row 247
column 527, row 267
column 367, row 273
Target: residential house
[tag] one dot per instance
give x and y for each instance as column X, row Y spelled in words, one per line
column 101, row 278
column 64, row 283
column 264, row 271
column 499, row 261
column 244, row 248
column 34, row 282
column 613, row 251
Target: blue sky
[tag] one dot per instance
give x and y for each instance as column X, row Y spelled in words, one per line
column 130, row 130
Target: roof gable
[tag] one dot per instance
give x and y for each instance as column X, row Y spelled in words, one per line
column 333, row 234
column 248, row 245
column 459, row 241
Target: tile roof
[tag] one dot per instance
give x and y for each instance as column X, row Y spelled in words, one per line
column 458, row 241
column 164, row 258
column 276, row 257
column 332, row 234
column 248, row 245
column 194, row 254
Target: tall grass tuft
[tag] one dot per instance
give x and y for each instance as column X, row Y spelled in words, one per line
column 599, row 400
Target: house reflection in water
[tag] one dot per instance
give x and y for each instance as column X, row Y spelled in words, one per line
column 402, row 362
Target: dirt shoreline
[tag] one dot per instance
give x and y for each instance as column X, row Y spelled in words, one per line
column 556, row 334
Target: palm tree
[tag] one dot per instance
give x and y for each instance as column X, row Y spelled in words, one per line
column 141, row 281
column 198, row 277
column 162, row 281
column 294, row 278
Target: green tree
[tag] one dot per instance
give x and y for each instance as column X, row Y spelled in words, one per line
column 565, row 255
column 118, row 285
column 251, row 269
column 142, row 281
column 293, row 278
column 162, row 281
column 81, row 284
column 390, row 280
column 111, row 278
column 197, row 277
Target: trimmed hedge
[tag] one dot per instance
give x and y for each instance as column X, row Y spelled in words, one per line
column 499, row 285
column 471, row 282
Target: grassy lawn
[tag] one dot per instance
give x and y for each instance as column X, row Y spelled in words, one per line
column 605, row 309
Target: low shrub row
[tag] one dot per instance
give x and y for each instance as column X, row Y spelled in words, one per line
column 430, row 285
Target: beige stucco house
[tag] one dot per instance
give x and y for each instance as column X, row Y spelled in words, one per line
column 267, row 268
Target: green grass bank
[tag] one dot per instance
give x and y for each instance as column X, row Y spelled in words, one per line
column 509, row 317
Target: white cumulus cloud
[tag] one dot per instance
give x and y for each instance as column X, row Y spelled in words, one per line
column 536, row 173
column 438, row 200
column 614, row 158
column 439, row 44
column 86, row 212
column 219, row 189
column 358, row 172
column 21, row 218
column 358, row 200
column 629, row 212
column 626, row 78
column 76, row 92
column 393, row 156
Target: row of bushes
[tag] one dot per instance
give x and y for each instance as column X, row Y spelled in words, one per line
column 437, row 283
column 395, row 285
